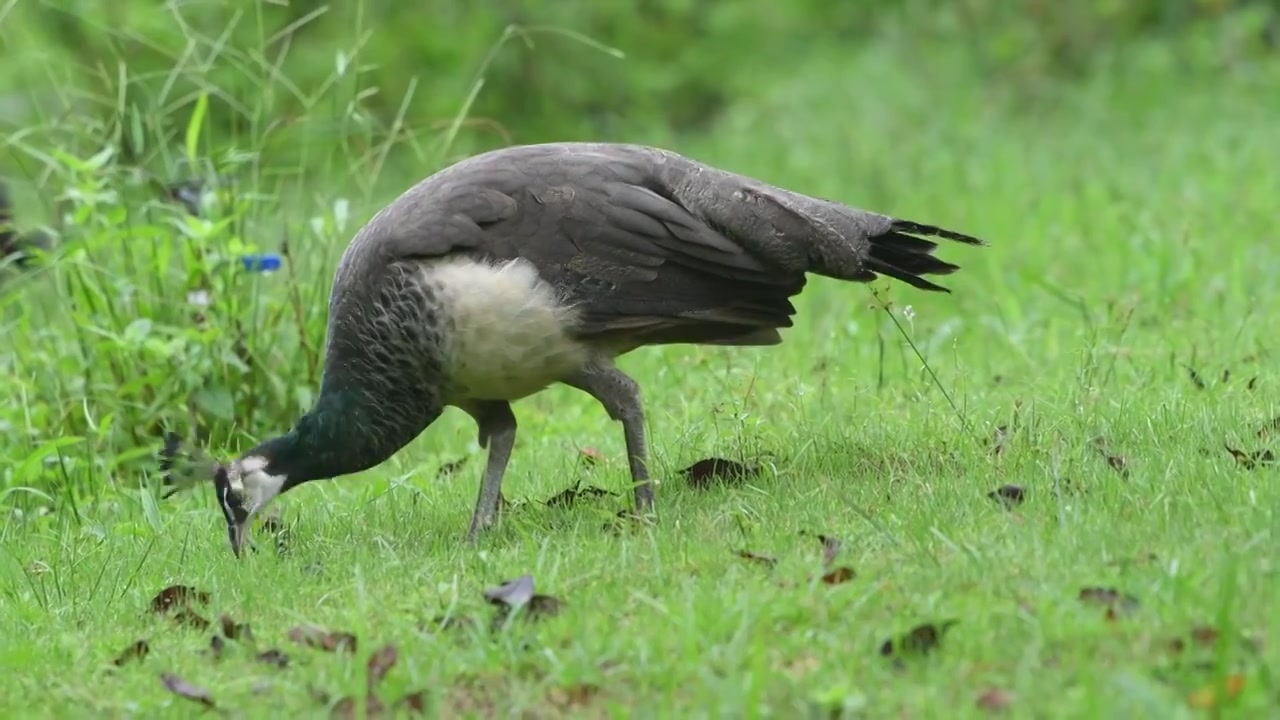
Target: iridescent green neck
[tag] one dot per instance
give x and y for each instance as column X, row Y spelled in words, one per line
column 343, row 434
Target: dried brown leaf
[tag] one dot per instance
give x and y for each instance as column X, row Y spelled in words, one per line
column 1008, row 495
column 705, row 473
column 347, row 708
column 1117, row 462
column 233, row 630
column 191, row 619
column 511, row 593
column 838, row 576
column 574, row 696
column 590, row 456
column 216, row 646
column 177, row 596
column 273, row 525
column 1204, row 635
column 515, row 594
column 320, row 639
column 1212, row 696
column 344, row 709
column 184, row 689
column 137, row 651
column 1267, row 430
column 1195, row 377
column 995, row 700
column 380, row 663
column 569, row 496
column 920, row 640
column 765, row 560
column 1116, row 603
column 1248, row 460
column 451, row 468
column 543, row 606
column 414, row 702
column 273, row 656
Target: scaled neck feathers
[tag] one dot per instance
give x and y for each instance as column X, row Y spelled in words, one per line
column 345, row 433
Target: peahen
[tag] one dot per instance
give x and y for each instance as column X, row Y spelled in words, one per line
column 533, row 265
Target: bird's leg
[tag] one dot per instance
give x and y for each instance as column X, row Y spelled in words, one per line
column 620, row 396
column 497, row 425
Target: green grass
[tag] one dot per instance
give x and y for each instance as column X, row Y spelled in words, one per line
column 1133, row 232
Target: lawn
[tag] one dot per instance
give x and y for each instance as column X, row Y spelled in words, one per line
column 1106, row 354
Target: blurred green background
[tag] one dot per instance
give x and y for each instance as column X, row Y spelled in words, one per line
column 317, row 114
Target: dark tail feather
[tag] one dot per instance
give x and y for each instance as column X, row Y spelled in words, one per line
column 905, row 257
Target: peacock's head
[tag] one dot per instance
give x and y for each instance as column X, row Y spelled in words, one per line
column 244, row 487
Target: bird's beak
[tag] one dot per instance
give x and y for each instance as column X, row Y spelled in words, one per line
column 233, row 509
column 238, row 533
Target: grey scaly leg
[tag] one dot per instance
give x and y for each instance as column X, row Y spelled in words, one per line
column 620, row 396
column 497, row 425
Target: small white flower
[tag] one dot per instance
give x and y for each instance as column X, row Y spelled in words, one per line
column 909, row 312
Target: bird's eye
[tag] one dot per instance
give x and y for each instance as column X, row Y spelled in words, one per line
column 231, row 501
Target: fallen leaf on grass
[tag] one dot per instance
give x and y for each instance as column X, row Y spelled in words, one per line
column 838, row 576
column 573, row 696
column 1116, row 603
column 379, row 664
column 216, row 646
column 233, row 630
column 322, row 639
column 184, row 689
column 1211, row 696
column 1204, row 635
column 1200, row 637
column 512, row 593
column 1269, row 428
column 590, row 456
column 273, row 525
column 191, row 619
column 273, row 657
column 177, row 596
column 705, row 473
column 1251, row 460
column 920, row 640
column 543, row 606
column 415, row 702
column 137, row 651
column 1195, row 377
column 516, row 594
column 345, row 708
column 995, row 700
column 766, row 560
column 450, row 468
column 1008, row 495
column 1117, row 462
column 569, row 496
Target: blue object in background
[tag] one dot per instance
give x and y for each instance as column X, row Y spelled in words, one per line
column 266, row 262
